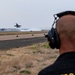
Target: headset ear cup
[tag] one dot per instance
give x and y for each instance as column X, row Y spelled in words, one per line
column 57, row 39
column 51, row 38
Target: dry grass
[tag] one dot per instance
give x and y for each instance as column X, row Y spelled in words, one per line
column 26, row 60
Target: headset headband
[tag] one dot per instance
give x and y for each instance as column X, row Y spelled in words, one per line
column 65, row 13
column 59, row 15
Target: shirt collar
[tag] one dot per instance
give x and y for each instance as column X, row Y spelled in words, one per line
column 66, row 56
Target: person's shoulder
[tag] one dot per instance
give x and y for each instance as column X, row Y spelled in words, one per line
column 48, row 70
column 64, row 64
column 58, row 68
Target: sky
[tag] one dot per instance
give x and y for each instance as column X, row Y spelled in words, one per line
column 32, row 13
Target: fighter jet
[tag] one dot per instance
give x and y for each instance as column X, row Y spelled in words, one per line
column 17, row 25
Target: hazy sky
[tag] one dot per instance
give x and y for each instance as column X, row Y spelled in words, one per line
column 32, row 13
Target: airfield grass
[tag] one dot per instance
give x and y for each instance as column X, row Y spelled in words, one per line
column 26, row 60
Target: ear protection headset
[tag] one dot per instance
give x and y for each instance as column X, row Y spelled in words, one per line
column 53, row 36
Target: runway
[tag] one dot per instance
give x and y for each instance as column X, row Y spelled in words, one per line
column 15, row 43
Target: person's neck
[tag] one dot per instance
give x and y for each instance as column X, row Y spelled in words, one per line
column 66, row 49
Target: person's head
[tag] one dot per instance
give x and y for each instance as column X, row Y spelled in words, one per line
column 66, row 29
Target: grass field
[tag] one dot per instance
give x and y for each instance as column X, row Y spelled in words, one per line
column 26, row 60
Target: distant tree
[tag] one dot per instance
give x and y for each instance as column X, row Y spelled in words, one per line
column 3, row 29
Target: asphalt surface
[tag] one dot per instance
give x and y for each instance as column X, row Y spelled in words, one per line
column 16, row 43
